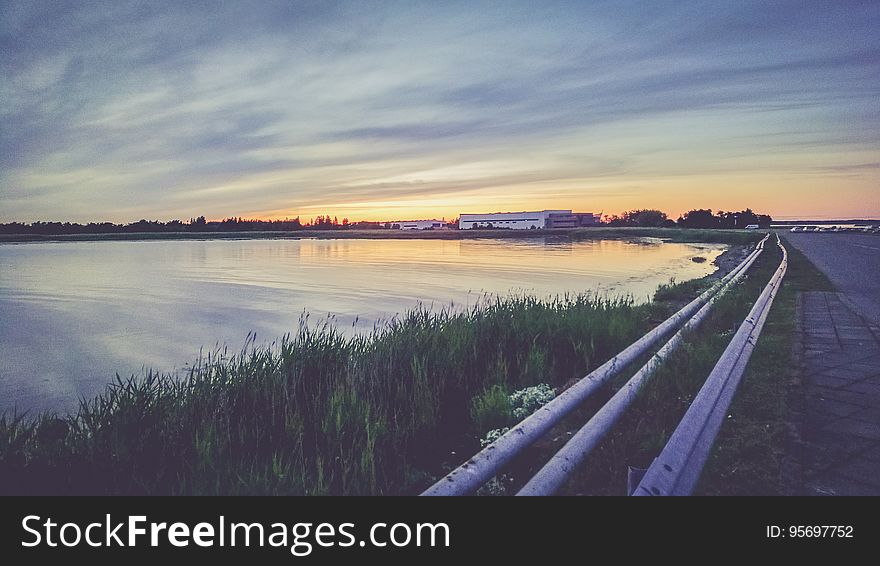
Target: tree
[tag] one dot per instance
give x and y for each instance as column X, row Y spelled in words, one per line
column 197, row 224
column 643, row 218
column 698, row 218
column 739, row 219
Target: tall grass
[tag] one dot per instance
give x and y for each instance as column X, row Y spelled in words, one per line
column 754, row 449
column 646, row 426
column 751, row 451
column 320, row 412
column 682, row 235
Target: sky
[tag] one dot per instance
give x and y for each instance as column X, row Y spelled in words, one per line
column 401, row 110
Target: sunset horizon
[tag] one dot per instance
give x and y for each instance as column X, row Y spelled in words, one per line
column 414, row 110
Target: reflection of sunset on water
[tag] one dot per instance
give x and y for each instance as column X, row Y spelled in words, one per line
column 86, row 310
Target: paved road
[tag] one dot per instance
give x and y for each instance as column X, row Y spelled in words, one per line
column 851, row 261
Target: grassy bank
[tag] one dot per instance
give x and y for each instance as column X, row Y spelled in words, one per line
column 670, row 234
column 749, row 456
column 752, row 451
column 319, row 413
column 323, row 413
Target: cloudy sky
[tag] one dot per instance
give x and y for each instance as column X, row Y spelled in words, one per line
column 378, row 110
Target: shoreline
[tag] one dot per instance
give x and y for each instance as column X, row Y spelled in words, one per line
column 669, row 234
column 439, row 365
column 727, row 260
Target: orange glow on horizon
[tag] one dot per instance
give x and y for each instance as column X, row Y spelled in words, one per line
column 674, row 196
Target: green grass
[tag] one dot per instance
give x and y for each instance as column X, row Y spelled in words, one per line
column 685, row 291
column 389, row 412
column 683, row 235
column 320, row 413
column 646, row 426
column 491, row 409
column 749, row 456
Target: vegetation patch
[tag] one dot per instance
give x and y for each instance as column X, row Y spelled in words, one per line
column 750, row 454
column 320, row 412
column 390, row 412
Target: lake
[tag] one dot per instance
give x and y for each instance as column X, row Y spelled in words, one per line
column 73, row 314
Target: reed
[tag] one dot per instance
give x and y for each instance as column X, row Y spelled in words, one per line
column 320, row 411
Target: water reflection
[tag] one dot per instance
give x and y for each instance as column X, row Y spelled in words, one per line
column 75, row 313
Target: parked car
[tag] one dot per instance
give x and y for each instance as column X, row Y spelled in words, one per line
column 752, row 227
column 797, row 229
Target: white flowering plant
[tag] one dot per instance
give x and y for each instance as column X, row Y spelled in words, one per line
column 492, row 436
column 526, row 401
column 523, row 403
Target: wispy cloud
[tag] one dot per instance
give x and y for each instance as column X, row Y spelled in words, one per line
column 128, row 109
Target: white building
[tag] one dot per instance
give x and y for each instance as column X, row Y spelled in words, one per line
column 418, row 224
column 537, row 220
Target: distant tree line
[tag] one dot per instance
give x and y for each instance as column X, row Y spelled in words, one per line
column 194, row 225
column 698, row 218
column 703, row 218
column 650, row 218
column 645, row 218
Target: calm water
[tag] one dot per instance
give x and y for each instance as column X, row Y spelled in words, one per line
column 73, row 314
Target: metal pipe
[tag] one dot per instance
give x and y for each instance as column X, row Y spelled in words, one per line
column 557, row 470
column 678, row 467
column 469, row 476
